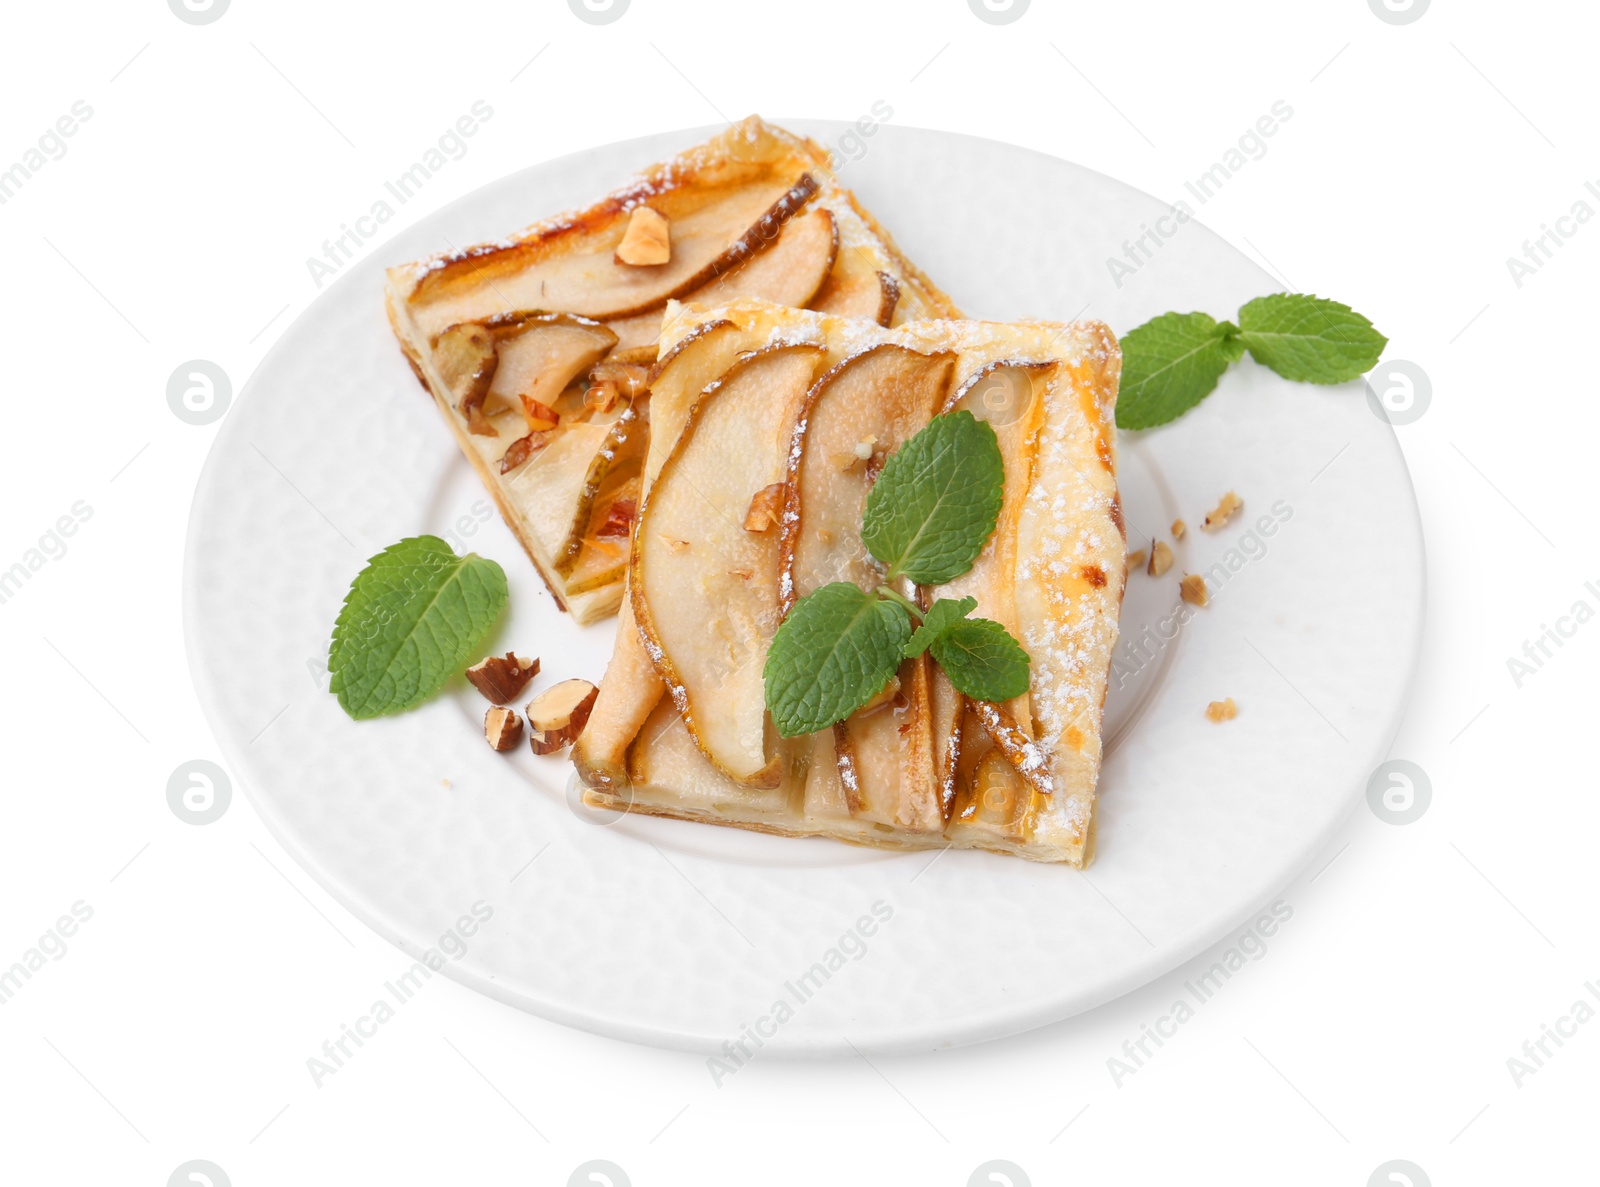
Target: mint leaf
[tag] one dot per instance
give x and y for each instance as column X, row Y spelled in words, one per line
column 982, row 660
column 936, row 501
column 943, row 614
column 1169, row 365
column 415, row 616
column 1309, row 339
column 837, row 648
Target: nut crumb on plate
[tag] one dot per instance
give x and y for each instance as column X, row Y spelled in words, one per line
column 1224, row 710
column 1222, row 512
column 1135, row 559
column 1193, row 589
column 1160, row 558
column 1178, row 529
column 502, row 728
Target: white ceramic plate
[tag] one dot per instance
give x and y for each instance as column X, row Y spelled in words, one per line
column 682, row 934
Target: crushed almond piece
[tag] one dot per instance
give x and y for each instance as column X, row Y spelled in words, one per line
column 765, row 507
column 541, row 417
column 1222, row 512
column 1193, row 589
column 619, row 520
column 648, row 239
column 631, row 379
column 502, row 729
column 501, row 680
column 1222, row 710
column 1178, row 529
column 521, row 450
column 1160, row 558
column 1135, row 559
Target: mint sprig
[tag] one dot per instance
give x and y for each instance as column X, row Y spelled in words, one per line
column 839, row 646
column 1172, row 362
column 933, row 508
column 982, row 660
column 941, row 616
column 936, row 501
column 413, row 617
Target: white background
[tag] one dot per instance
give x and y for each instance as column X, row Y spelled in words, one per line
column 218, row 158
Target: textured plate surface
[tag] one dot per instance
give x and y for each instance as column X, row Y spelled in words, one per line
column 681, row 934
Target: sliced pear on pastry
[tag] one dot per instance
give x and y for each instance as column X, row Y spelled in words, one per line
column 790, row 272
column 714, row 233
column 861, row 411
column 1010, row 397
column 859, row 293
column 619, row 456
column 705, row 589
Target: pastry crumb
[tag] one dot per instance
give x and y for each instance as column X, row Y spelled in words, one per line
column 1222, row 512
column 446, row 784
column 1193, row 589
column 1224, row 710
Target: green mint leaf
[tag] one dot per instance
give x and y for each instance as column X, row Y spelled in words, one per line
column 1232, row 348
column 837, row 648
column 415, row 616
column 943, row 614
column 936, row 501
column 982, row 660
column 1309, row 339
column 1169, row 365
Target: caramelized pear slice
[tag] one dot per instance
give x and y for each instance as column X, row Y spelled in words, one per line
column 791, row 272
column 861, row 293
column 467, row 360
column 1012, row 397
column 726, row 228
column 708, row 611
column 620, row 455
column 548, row 486
column 540, row 353
column 871, row 403
column 631, row 688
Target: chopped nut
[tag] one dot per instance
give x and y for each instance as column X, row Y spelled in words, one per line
column 521, row 450
column 1160, row 558
column 1135, row 559
column 1193, row 589
column 765, row 507
column 648, row 239
column 1178, row 529
column 864, row 448
column 1222, row 710
column 601, row 397
column 502, row 728
column 887, row 695
column 618, row 523
column 502, row 680
column 541, row 417
column 558, row 714
column 1222, row 512
column 631, row 379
